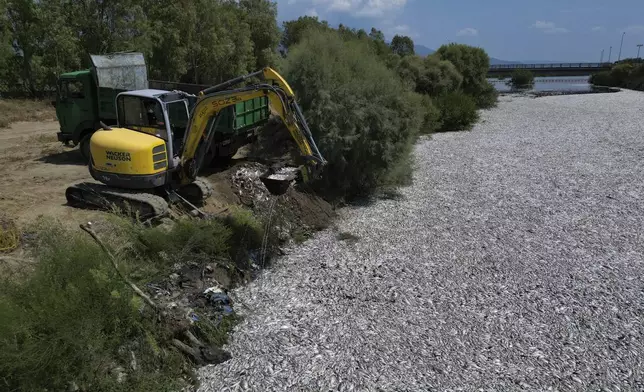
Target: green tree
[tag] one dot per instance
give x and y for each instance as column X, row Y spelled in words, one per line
column 458, row 111
column 171, row 31
column 439, row 77
column 293, row 30
column 376, row 35
column 473, row 63
column 363, row 117
column 261, row 17
column 220, row 47
column 522, row 78
column 24, row 20
column 402, row 45
column 430, row 76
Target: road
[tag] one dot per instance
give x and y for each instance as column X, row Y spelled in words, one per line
column 514, row 262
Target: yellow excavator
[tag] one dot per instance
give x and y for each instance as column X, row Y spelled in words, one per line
column 154, row 155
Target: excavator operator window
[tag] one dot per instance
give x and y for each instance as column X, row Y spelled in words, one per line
column 142, row 114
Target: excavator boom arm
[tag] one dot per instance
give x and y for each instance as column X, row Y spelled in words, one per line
column 214, row 99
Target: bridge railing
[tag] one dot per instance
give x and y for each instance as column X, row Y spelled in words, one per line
column 551, row 66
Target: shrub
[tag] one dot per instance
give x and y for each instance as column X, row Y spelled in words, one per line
column 458, row 111
column 360, row 113
column 439, row 77
column 522, row 78
column 620, row 74
column 431, row 76
column 488, row 97
column 68, row 319
column 603, row 78
column 72, row 319
column 432, row 120
column 636, row 78
column 473, row 63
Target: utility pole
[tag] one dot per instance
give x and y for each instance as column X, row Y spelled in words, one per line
column 638, row 50
column 601, row 58
column 610, row 51
column 619, row 57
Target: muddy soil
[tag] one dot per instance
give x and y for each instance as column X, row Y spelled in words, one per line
column 35, row 170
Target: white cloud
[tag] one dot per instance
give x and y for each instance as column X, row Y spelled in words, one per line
column 468, row 32
column 400, row 30
column 312, row 12
column 634, row 29
column 549, row 27
column 364, row 8
column 599, row 29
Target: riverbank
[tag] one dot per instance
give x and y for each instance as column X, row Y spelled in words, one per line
column 513, row 261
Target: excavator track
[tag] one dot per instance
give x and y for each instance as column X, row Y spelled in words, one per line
column 196, row 192
column 145, row 205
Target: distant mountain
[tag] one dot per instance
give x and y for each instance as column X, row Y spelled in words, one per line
column 425, row 51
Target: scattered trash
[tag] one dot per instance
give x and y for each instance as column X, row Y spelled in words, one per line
column 218, row 298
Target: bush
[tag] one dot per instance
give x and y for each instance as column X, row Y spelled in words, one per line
column 439, row 77
column 360, row 113
column 620, row 74
column 522, row 78
column 603, row 78
column 72, row 319
column 636, row 78
column 473, row 63
column 488, row 97
column 432, row 120
column 431, row 76
column 68, row 319
column 458, row 111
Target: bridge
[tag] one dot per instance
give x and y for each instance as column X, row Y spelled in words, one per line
column 555, row 69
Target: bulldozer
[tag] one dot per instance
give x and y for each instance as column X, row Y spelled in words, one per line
column 151, row 159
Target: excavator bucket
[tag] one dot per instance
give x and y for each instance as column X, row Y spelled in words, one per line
column 278, row 182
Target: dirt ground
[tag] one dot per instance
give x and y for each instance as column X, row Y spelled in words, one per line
column 35, row 170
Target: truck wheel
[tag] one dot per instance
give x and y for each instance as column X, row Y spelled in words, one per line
column 83, row 146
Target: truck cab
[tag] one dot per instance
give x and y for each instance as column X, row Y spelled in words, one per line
column 75, row 107
column 86, row 98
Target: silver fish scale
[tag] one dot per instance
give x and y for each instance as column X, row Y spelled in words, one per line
column 514, row 262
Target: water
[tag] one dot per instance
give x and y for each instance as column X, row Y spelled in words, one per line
column 548, row 83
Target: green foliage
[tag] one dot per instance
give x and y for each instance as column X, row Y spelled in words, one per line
column 402, row 45
column 439, row 77
column 432, row 120
column 294, row 30
column 487, row 97
column 261, row 16
column 628, row 73
column 620, row 73
column 473, row 63
column 604, row 78
column 361, row 115
column 458, row 111
column 194, row 41
column 72, row 320
column 522, row 78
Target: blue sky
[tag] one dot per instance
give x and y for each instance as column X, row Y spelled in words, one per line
column 549, row 30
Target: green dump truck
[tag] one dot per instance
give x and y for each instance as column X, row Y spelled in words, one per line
column 87, row 98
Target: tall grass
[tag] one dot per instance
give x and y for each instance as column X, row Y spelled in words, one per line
column 72, row 320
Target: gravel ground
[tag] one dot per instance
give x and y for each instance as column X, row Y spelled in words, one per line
column 514, row 262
